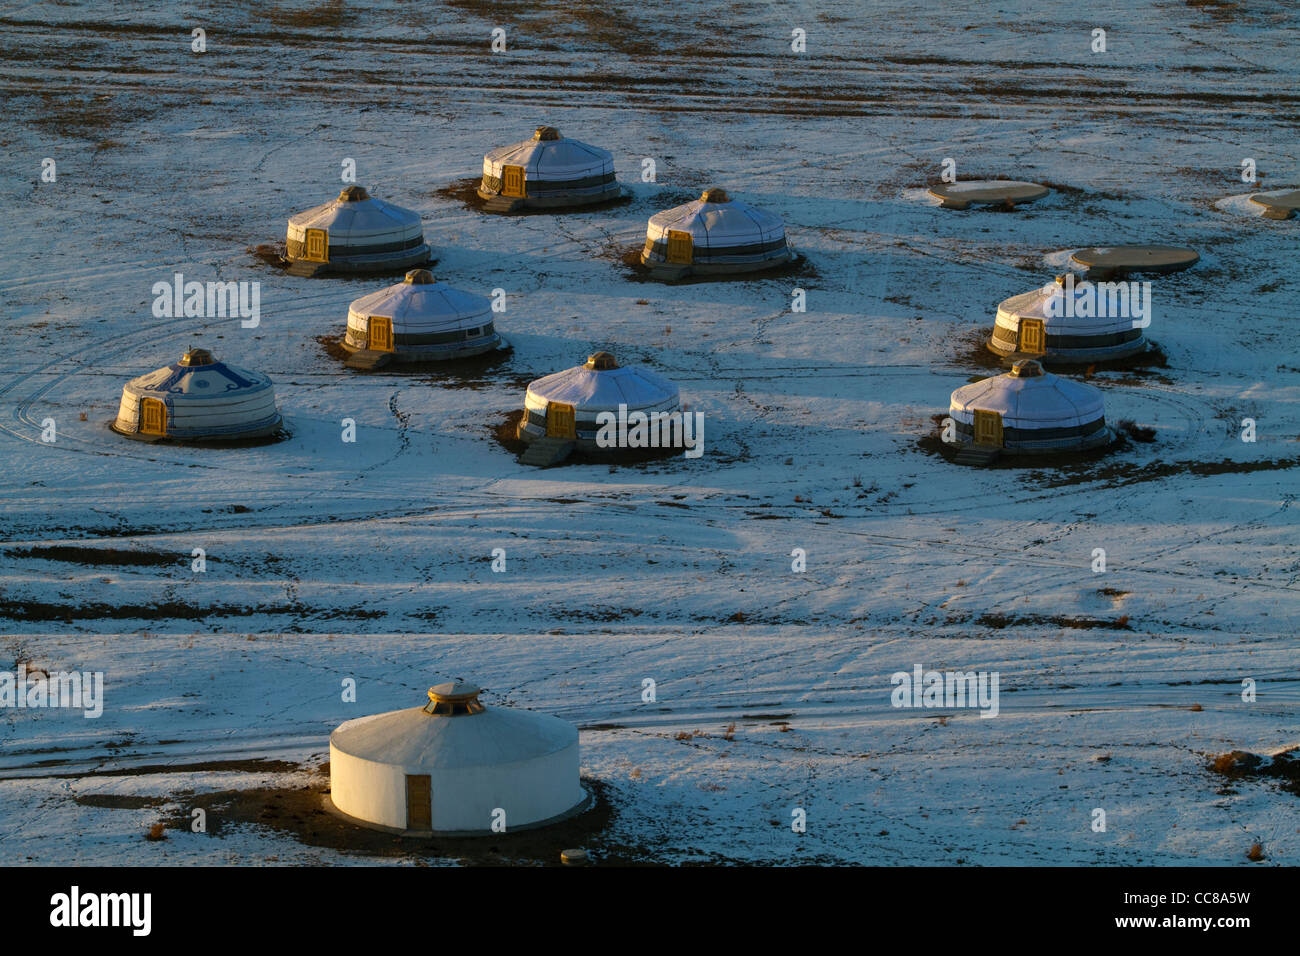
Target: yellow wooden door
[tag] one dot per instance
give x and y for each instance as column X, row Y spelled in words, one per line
column 153, row 417
column 560, row 420
column 512, row 181
column 681, row 247
column 1031, row 336
column 419, row 802
column 317, row 245
column 988, row 428
column 379, row 333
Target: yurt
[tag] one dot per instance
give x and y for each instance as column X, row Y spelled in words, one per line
column 198, row 399
column 1056, row 324
column 547, row 171
column 455, row 767
column 1029, row 410
column 356, row 233
column 714, row 235
column 420, row 320
column 564, row 405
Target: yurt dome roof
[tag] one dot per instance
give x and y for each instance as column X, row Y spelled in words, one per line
column 1040, row 303
column 418, row 299
column 199, row 376
column 425, row 738
column 715, row 219
column 548, row 155
column 601, row 384
column 356, row 214
column 1028, row 397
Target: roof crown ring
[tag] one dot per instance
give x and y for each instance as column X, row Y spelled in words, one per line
column 546, row 134
column 601, row 361
column 714, row 194
column 1026, row 368
column 353, row 194
column 454, row 699
column 195, row 356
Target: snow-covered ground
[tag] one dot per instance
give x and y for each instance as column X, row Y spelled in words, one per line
column 327, row 560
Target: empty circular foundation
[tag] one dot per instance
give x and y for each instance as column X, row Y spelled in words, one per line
column 987, row 192
column 1278, row 204
column 1101, row 261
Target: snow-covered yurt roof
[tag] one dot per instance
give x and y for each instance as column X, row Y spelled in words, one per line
column 454, row 732
column 202, row 397
column 420, row 304
column 1029, row 397
column 1040, row 304
column 601, row 384
column 357, row 218
column 549, row 156
column 715, row 219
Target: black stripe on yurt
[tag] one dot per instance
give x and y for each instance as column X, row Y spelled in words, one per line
column 1003, row 334
column 357, row 337
column 1017, row 435
column 659, row 250
column 552, row 185
column 297, row 249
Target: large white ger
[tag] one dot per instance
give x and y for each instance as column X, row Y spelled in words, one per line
column 565, row 404
column 198, row 399
column 420, row 320
column 714, row 234
column 549, row 170
column 455, row 766
column 1068, row 322
column 1030, row 410
column 356, row 233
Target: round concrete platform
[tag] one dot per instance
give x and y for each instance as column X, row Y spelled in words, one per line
column 986, row 192
column 1278, row 204
column 1101, row 261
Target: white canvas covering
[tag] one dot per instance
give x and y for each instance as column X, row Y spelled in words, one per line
column 1043, row 401
column 524, row 763
column 426, row 316
column 592, row 391
column 204, row 400
column 1067, row 335
column 714, row 225
column 358, row 223
column 555, row 160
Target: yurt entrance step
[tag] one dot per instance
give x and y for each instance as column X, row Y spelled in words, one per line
column 545, row 452
column 503, row 204
column 978, row 455
column 301, row 267
column 367, row 360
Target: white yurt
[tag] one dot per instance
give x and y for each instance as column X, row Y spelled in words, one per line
column 356, row 233
column 715, row 235
column 452, row 766
column 198, row 399
column 1030, row 410
column 548, row 171
column 1057, row 324
column 420, row 320
column 565, row 405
